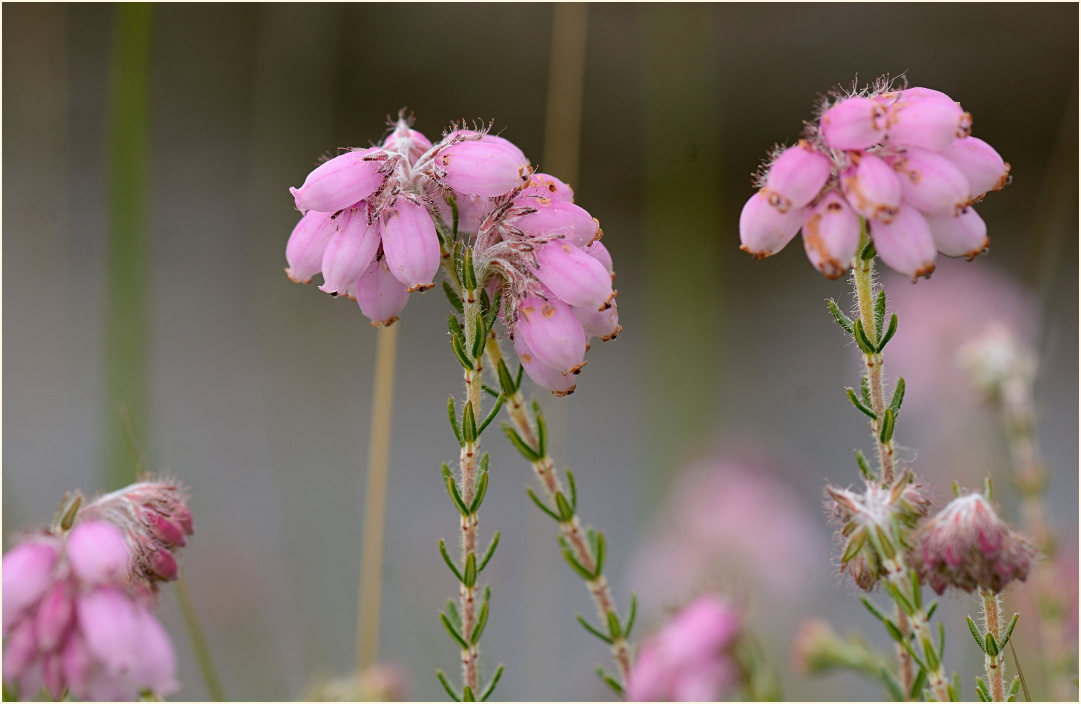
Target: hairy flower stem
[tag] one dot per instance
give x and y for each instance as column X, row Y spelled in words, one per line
column 863, row 281
column 570, row 525
column 467, row 462
column 906, row 594
column 993, row 664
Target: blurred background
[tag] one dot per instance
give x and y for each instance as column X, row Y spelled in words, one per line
column 147, row 156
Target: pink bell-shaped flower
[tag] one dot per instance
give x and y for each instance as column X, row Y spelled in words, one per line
column 349, row 252
column 559, row 383
column 796, row 177
column 905, row 243
column 764, row 230
column 854, row 123
column 927, row 119
column 931, row 182
column 342, row 181
column 410, row 243
column 872, row 188
column 831, row 234
column 306, row 246
column 482, row 168
column 575, row 277
column 546, row 217
column 552, row 332
column 963, row 235
column 981, row 165
column 548, row 186
column 380, row 295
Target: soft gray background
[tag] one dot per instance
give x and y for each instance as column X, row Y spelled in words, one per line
column 260, row 389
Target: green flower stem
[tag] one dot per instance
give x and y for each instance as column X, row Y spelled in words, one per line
column 198, row 642
column 863, row 280
column 467, row 462
column 571, row 528
column 993, row 664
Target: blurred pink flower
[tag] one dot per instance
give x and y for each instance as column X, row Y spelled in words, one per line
column 689, row 658
column 730, row 523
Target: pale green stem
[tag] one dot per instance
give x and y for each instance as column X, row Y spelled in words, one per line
column 198, row 642
column 467, row 596
column 572, row 529
column 371, row 566
column 994, row 665
column 899, row 574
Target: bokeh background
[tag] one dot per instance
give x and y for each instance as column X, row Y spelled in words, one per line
column 147, row 153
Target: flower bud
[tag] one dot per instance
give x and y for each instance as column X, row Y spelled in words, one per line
column 482, row 167
column 831, row 234
column 599, row 323
column 380, row 295
column 981, row 165
column 764, row 230
column 854, row 123
column 966, row 545
column 796, row 177
column 27, row 572
column 552, row 332
column 905, row 243
column 546, row 217
column 598, row 251
column 542, row 375
column 872, row 188
column 572, row 275
column 963, row 235
column 410, row 243
column 342, row 181
column 54, row 616
column 931, row 182
column 109, row 624
column 164, row 564
column 306, row 246
column 927, row 119
column 548, row 186
column 349, row 252
column 97, row 552
column 407, row 141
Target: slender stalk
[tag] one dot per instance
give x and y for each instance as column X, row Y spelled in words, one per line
column 900, row 576
column 863, row 281
column 198, row 641
column 994, row 665
column 467, row 463
column 375, row 509
column 570, row 526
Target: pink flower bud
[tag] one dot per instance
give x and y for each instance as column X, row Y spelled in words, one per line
column 27, row 572
column 55, row 615
column 963, row 235
column 572, row 275
column 408, row 142
column 349, row 252
column 482, row 167
column 796, row 177
column 410, row 243
column 872, row 188
column 304, row 252
column 21, row 649
column 97, row 552
column 342, row 181
column 931, row 182
column 380, row 295
column 598, row 251
column 831, row 234
column 548, row 186
column 927, row 119
column 854, row 123
column 905, row 243
column 166, row 530
column 599, row 323
column 542, row 375
column 156, row 668
column 109, row 624
column 764, row 230
column 75, row 664
column 982, row 166
column 164, row 564
column 547, row 217
column 552, row 332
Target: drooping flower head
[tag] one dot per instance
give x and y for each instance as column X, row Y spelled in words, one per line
column 874, row 523
column 966, row 545
column 379, row 222
column 73, row 619
column 902, row 159
column 690, row 658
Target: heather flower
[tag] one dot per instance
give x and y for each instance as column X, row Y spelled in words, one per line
column 690, row 658
column 966, row 545
column 903, row 160
column 401, row 207
column 154, row 520
column 872, row 523
column 75, row 622
column 378, row 683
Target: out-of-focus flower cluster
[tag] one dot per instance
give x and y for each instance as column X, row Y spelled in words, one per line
column 690, row 659
column 379, row 222
column 78, row 598
column 966, row 545
column 383, row 682
column 903, row 160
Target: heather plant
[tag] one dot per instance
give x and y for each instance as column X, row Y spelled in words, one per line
column 892, row 172
column 522, row 262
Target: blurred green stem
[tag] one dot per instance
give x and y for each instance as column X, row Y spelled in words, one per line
column 198, row 641
column 126, row 336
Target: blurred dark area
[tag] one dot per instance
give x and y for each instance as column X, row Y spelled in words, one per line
column 258, row 390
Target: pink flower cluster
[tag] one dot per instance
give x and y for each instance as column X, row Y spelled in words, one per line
column 689, row 659
column 903, row 160
column 155, row 520
column 74, row 622
column 378, row 223
column 966, row 545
